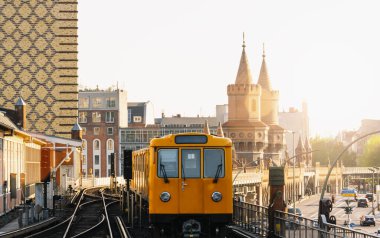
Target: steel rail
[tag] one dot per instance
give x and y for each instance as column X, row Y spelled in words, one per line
column 75, row 211
column 90, row 229
column 107, row 218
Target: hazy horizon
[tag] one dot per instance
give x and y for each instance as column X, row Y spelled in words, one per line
column 324, row 52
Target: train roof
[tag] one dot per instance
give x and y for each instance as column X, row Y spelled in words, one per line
column 211, row 140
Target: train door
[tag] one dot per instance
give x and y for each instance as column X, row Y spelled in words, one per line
column 191, row 186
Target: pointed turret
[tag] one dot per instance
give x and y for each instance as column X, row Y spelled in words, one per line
column 300, row 149
column 300, row 146
column 244, row 73
column 219, row 131
column 307, row 145
column 309, row 156
column 206, row 129
column 264, row 81
column 20, row 108
column 76, row 132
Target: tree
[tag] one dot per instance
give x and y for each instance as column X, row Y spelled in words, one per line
column 329, row 148
column 371, row 152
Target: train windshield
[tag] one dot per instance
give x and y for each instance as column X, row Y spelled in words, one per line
column 213, row 161
column 168, row 163
column 191, row 163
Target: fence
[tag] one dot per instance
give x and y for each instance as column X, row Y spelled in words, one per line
column 253, row 218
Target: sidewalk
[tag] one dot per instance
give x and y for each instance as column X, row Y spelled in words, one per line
column 11, row 226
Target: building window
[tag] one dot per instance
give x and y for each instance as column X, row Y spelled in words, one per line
column 82, row 117
column 83, row 172
column 84, row 161
column 96, row 102
column 84, row 130
column 96, row 159
column 96, row 145
column 109, row 130
column 109, row 172
column 137, row 119
column 129, row 115
column 96, row 130
column 109, row 159
column 111, row 102
column 84, row 102
column 110, row 144
column 96, row 117
column 110, row 117
column 97, row 173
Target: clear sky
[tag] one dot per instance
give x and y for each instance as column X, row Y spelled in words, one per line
column 181, row 55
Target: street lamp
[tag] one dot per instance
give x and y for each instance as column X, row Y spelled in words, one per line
column 294, row 164
column 378, row 183
column 373, row 189
column 333, row 165
column 241, row 169
column 377, row 174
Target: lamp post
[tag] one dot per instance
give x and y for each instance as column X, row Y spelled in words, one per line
column 241, row 169
column 294, row 164
column 294, row 183
column 333, row 165
column 373, row 190
column 377, row 175
column 378, row 183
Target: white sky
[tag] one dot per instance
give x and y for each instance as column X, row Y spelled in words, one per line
column 181, row 55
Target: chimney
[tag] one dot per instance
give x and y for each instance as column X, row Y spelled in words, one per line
column 76, row 132
column 20, row 108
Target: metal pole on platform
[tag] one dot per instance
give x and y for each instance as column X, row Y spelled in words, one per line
column 294, row 183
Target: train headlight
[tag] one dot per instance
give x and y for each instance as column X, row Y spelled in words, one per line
column 165, row 196
column 216, row 196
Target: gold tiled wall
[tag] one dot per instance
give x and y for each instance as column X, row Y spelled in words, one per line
column 39, row 62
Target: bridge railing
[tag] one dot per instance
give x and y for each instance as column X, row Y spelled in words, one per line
column 250, row 217
column 292, row 226
column 253, row 218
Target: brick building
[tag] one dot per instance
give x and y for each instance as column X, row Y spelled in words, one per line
column 101, row 114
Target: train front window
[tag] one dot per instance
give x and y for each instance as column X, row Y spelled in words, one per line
column 191, row 163
column 167, row 163
column 213, row 163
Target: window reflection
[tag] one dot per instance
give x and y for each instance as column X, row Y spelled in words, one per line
column 212, row 159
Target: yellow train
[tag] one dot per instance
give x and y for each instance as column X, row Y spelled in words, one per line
column 186, row 181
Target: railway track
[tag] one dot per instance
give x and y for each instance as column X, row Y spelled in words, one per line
column 92, row 217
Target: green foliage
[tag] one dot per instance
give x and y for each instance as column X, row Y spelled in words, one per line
column 371, row 152
column 328, row 149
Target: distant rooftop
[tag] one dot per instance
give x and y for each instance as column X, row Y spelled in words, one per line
column 112, row 88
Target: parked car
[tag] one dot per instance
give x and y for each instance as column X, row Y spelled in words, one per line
column 315, row 222
column 367, row 220
column 293, row 222
column 377, row 233
column 363, row 202
column 369, row 196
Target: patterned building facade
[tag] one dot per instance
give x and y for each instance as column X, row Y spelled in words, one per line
column 39, row 62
